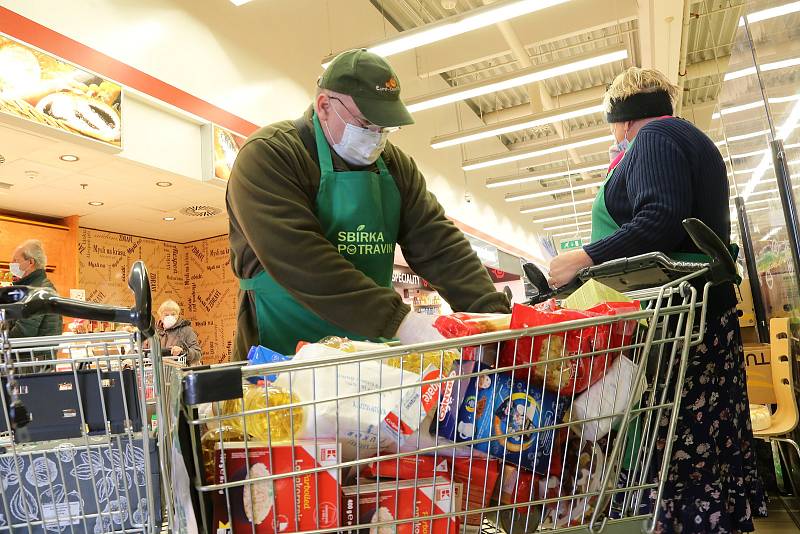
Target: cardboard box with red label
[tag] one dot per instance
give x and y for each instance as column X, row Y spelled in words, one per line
column 372, row 504
column 287, row 504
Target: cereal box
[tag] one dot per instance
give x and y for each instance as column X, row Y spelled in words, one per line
column 497, row 405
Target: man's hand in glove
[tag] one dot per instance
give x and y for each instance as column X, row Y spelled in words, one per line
column 418, row 328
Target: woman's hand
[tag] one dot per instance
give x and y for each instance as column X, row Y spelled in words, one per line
column 176, row 350
column 565, row 267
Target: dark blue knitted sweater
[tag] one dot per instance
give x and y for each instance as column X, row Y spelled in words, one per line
column 672, row 171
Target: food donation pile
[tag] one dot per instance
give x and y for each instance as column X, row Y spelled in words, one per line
column 378, row 444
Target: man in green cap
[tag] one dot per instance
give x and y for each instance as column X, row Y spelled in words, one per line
column 316, row 206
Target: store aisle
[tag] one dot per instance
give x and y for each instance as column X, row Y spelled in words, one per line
column 780, row 517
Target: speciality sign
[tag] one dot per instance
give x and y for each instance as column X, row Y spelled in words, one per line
column 405, row 278
column 41, row 88
column 220, row 148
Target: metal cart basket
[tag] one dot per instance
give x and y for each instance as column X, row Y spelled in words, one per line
column 443, row 437
column 77, row 453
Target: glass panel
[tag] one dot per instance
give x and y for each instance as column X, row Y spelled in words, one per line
column 756, row 105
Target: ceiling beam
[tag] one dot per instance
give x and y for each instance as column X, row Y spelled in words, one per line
column 558, row 22
column 660, row 25
column 592, row 95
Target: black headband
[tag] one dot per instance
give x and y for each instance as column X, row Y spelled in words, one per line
column 640, row 106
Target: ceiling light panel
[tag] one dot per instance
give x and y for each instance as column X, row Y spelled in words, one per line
column 764, row 14
column 514, row 79
column 524, row 123
column 513, row 197
column 520, row 155
column 458, row 24
column 556, row 206
column 562, row 217
column 765, row 67
column 571, row 225
column 492, row 183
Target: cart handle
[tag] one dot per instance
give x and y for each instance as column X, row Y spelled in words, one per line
column 721, row 267
column 19, row 302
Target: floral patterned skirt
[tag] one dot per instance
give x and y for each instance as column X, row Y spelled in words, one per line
column 712, row 484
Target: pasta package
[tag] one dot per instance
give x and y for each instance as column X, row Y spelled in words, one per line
column 568, row 372
column 469, row 324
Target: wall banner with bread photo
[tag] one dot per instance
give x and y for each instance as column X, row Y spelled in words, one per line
column 46, row 90
column 219, row 149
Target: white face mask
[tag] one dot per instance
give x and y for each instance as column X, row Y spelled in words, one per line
column 16, row 270
column 617, row 148
column 169, row 321
column 359, row 146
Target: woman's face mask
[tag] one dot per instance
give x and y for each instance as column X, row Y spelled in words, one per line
column 169, row 321
column 619, row 147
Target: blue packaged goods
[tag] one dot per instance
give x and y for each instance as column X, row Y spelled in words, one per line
column 259, row 355
column 496, row 405
column 452, row 395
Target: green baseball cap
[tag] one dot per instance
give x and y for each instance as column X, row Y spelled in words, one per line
column 372, row 83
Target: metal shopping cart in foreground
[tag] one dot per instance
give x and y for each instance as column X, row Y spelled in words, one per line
column 448, row 437
column 77, row 454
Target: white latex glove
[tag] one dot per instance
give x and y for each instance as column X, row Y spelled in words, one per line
column 418, row 328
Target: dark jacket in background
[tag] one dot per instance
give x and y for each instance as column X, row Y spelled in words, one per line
column 40, row 325
column 181, row 335
column 672, row 171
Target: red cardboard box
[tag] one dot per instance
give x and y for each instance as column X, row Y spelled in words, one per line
column 408, row 467
column 269, row 505
column 374, row 503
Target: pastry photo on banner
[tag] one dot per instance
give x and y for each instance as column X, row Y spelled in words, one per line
column 44, row 89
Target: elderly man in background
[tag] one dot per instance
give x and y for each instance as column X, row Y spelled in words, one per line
column 27, row 266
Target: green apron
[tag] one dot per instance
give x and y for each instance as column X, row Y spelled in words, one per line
column 359, row 212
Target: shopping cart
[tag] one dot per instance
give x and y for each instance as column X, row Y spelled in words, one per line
column 76, row 452
column 443, row 437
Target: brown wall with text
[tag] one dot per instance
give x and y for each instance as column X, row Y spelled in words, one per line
column 196, row 275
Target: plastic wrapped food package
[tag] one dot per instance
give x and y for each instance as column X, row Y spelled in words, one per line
column 582, row 474
column 469, row 324
column 282, row 425
column 570, row 372
column 417, row 362
column 496, row 405
column 358, row 401
column 414, row 362
column 209, row 442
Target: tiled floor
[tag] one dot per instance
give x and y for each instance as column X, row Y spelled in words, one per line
column 780, row 517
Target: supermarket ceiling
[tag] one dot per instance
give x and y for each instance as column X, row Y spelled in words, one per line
column 529, row 137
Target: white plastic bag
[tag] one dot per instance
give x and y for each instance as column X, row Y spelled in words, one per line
column 363, row 424
column 605, row 397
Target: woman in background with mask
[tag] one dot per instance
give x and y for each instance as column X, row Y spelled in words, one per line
column 177, row 335
column 664, row 170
